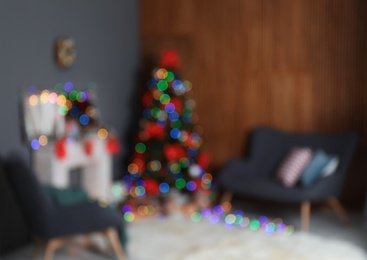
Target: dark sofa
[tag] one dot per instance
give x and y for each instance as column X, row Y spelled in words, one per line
column 254, row 176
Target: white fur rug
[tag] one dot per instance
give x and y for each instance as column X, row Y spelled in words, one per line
column 178, row 238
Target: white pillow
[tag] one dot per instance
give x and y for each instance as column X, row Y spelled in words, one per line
column 331, row 167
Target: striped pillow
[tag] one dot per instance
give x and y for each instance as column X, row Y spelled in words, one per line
column 293, row 165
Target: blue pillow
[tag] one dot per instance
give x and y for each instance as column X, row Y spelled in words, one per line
column 314, row 170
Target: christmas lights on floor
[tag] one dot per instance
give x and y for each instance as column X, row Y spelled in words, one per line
column 217, row 215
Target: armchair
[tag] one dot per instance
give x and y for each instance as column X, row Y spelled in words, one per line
column 52, row 226
column 254, row 176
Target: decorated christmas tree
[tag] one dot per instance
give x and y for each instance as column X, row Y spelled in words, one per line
column 168, row 147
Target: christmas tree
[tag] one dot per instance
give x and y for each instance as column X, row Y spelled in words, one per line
column 168, row 147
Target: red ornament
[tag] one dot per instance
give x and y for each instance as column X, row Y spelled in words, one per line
column 178, row 104
column 203, row 160
column 198, row 183
column 112, row 145
column 147, row 99
column 154, row 131
column 151, row 187
column 88, row 147
column 140, row 163
column 173, row 152
column 170, row 59
column 60, row 148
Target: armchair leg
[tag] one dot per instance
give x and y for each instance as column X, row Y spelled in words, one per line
column 39, row 244
column 339, row 209
column 226, row 197
column 112, row 236
column 52, row 246
column 305, row 215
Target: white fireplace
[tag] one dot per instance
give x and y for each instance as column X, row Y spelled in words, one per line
column 96, row 168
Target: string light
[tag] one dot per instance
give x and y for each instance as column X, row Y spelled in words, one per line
column 71, row 103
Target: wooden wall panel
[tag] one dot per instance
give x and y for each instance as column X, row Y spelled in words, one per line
column 297, row 65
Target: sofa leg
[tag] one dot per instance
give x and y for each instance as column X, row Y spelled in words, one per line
column 52, row 246
column 339, row 209
column 305, row 215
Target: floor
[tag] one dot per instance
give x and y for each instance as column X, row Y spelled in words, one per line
column 324, row 223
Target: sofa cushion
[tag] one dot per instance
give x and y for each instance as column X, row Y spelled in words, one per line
column 314, row 170
column 331, row 167
column 13, row 227
column 293, row 165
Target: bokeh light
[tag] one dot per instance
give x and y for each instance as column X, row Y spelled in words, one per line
column 177, row 85
column 180, row 183
column 143, row 210
column 84, row 119
column 33, row 100
column 206, row 212
column 175, row 168
column 196, row 216
column 174, row 116
column 165, row 99
column 164, row 187
column 133, row 168
column 68, row 86
column 44, row 96
column 116, row 190
column 162, row 85
column 127, row 208
column 102, row 133
column 91, row 111
column 230, row 219
column 218, row 210
column 184, row 162
column 32, row 90
column 140, row 148
column 154, row 165
column 170, row 76
column 61, row 100
column 63, row 110
column 139, row 191
column 35, row 144
column 254, row 224
column 129, row 217
column 161, row 73
column 43, row 140
column 191, row 186
column 175, row 133
column 52, row 97
column 227, row 206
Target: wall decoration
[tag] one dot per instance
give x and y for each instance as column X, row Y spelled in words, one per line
column 65, row 52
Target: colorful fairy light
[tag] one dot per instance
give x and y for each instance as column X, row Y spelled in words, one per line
column 33, row 100
column 76, row 106
column 35, row 144
column 68, row 86
column 43, row 140
column 168, row 145
column 237, row 218
column 129, row 216
column 164, row 187
column 140, row 147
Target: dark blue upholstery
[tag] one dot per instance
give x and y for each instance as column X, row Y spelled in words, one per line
column 47, row 221
column 13, row 227
column 255, row 176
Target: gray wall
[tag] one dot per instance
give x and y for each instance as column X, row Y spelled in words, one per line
column 107, row 44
